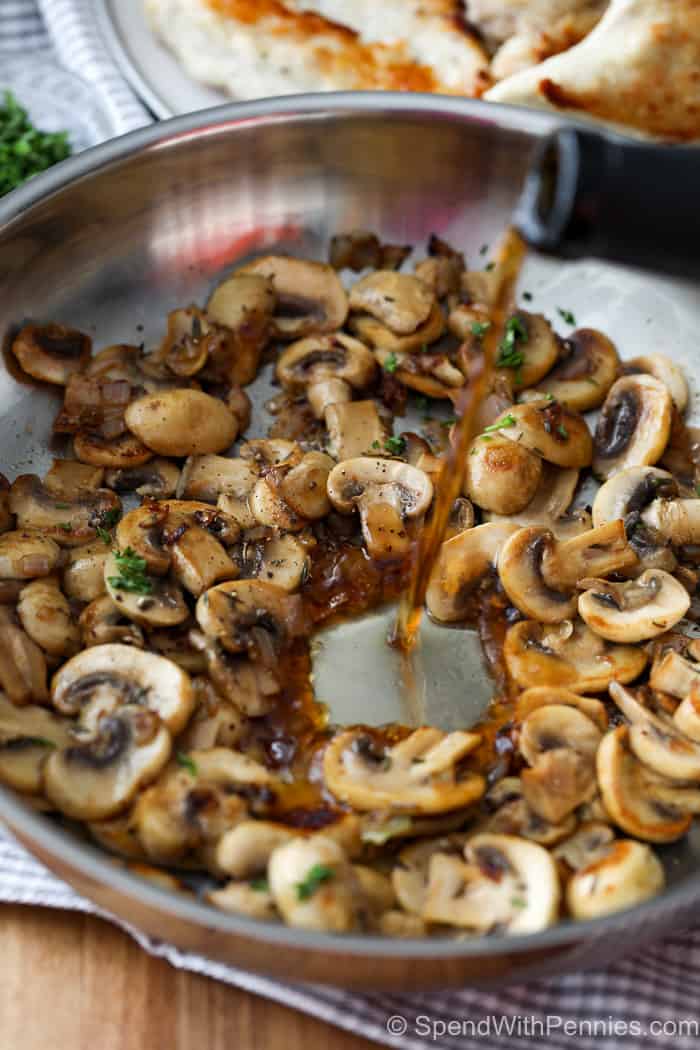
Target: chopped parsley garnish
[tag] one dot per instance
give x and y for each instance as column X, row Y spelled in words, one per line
column 38, row 741
column 391, row 363
column 501, row 424
column 109, row 518
column 375, row 444
column 395, row 445
column 24, row 150
column 527, row 296
column 66, row 526
column 490, row 266
column 566, row 315
column 187, row 763
column 315, row 877
column 483, row 249
column 132, row 573
column 480, row 328
column 102, row 534
column 509, row 353
column 260, row 885
column 562, row 431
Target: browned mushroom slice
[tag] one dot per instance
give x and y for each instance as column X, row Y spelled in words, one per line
column 559, row 742
column 384, row 339
column 550, row 504
column 182, row 422
column 251, row 616
column 158, row 478
column 27, row 555
column 309, row 297
column 98, row 776
column 68, row 479
column 588, row 366
column 148, row 601
column 27, row 736
column 657, row 740
column 676, row 520
column 569, row 655
column 510, row 814
column 213, row 478
column 386, row 493
column 354, row 429
column 122, row 452
column 152, row 529
column 22, row 665
column 243, row 304
column 400, row 301
column 327, row 368
column 627, row 874
column 462, row 564
column 245, row 850
column 552, row 431
column 51, row 352
column 280, row 560
column 635, row 610
column 68, row 524
column 528, row 350
column 314, row 886
column 199, row 560
column 634, row 425
column 216, row 721
column 501, row 475
column 361, row 249
column 667, row 372
column 293, row 492
column 417, row 775
column 102, row 621
column 541, row 696
column 45, row 614
column 431, row 372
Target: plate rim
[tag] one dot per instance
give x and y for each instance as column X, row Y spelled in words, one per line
column 118, row 51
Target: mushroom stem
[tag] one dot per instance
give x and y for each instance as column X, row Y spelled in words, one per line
column 382, row 525
column 597, row 552
column 676, row 519
column 325, row 392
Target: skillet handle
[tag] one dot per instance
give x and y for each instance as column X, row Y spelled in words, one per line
column 589, row 194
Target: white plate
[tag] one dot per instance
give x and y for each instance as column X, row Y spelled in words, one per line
column 154, row 74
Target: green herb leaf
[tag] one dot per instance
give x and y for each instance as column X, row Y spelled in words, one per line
column 375, row 444
column 490, row 266
column 395, row 445
column 390, row 829
column 483, row 249
column 103, row 535
column 562, row 431
column 109, row 518
column 132, row 573
column 527, row 296
column 480, row 328
column 566, row 315
column 65, row 526
column 509, row 353
column 391, row 363
column 315, row 877
column 187, row 763
column 501, row 424
column 518, row 902
column 260, row 885
column 24, row 150
column 38, row 741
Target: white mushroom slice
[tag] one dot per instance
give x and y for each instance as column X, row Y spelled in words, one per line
column 550, row 503
column 103, row 679
column 656, row 740
column 676, row 674
column 27, row 736
column 667, row 372
column 417, row 775
column 568, row 655
column 398, row 924
column 505, row 884
column 194, row 803
column 630, row 491
column 559, row 743
column 67, row 524
column 386, row 493
column 539, row 573
column 501, row 475
column 314, row 886
column 115, row 453
column 514, row 816
column 293, row 493
column 636, row 610
column 634, row 425
column 309, row 297
column 354, row 429
column 400, row 301
column 549, row 429
column 243, row 304
column 215, row 721
column 244, row 851
column 588, row 366
column 386, row 341
column 150, row 530
column 628, row 797
column 252, row 687
column 45, row 614
column 158, row 478
column 327, row 368
column 409, row 876
column 22, row 665
column 102, row 621
column 145, row 600
column 209, row 477
column 199, row 560
column 84, row 574
column 181, row 422
column 98, row 777
column 589, row 843
column 677, row 520
column 462, row 563
column 251, row 898
column 51, row 352
column 251, row 616
column 540, row 696
column 68, row 479
column 628, row 874
column 687, row 715
column 284, row 562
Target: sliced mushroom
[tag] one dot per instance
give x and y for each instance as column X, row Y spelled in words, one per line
column 282, row 561
column 199, row 561
column 568, row 655
column 68, row 479
column 231, row 481
column 550, row 503
column 589, row 843
column 51, row 352
column 314, row 885
column 676, row 520
column 158, row 478
column 251, row 898
column 628, row 874
column 667, row 372
column 628, row 798
column 251, row 616
column 539, row 573
column 534, row 350
column 102, row 621
column 462, row 564
column 154, row 529
column 45, row 614
column 541, row 696
column 588, row 366
column 559, row 742
column 245, row 850
column 401, row 302
column 549, row 429
column 354, row 429
column 148, row 601
column 101, row 680
column 627, row 494
column 512, row 815
column 327, row 368
column 181, row 422
column 417, row 775
column 83, row 576
column 27, row 555
column 410, row 875
column 634, row 425
column 636, row 610
column 386, row 493
column 67, row 523
column 244, row 304
column 676, row 673
column 191, row 806
column 27, row 736
column 504, row 884
column 98, row 777
column 656, row 740
column 123, row 452
column 293, row 492
column 252, row 687
column 501, row 475
column 386, row 341
column 22, row 665
column 309, row 296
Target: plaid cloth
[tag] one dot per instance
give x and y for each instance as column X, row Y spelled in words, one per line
column 646, row 1002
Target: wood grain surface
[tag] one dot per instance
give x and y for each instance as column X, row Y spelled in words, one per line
column 73, row 982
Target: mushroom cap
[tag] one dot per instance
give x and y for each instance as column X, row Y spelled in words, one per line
column 400, row 301
column 588, row 366
column 675, row 673
column 386, row 341
column 462, row 563
column 353, row 428
column 634, row 425
column 330, row 903
column 559, row 742
column 569, row 655
column 590, row 842
column 67, row 524
column 104, row 678
column 102, row 622
column 69, row 479
column 416, row 775
column 158, row 478
column 83, row 576
column 45, row 613
column 543, row 695
column 251, row 616
column 181, row 422
column 514, row 816
column 630, row 491
column 667, row 372
column 551, row 430
column 501, row 475
column 22, row 665
column 116, row 453
column 539, row 349
column 623, row 783
column 159, row 604
column 635, row 610
column 628, row 874
column 208, row 477
column 27, row 555
column 244, row 304
column 51, row 352
column 507, row 884
column 99, row 776
column 550, row 502
column 27, row 736
column 320, row 357
column 284, row 562
column 199, row 560
column 656, row 740
column 409, row 876
column 245, row 850
column 310, row 297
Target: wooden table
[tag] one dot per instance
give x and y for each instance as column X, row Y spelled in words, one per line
column 73, row 982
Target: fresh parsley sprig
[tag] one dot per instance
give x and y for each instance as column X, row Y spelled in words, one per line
column 132, row 573
column 315, row 877
column 24, row 150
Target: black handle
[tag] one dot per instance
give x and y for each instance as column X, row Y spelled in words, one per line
column 589, row 194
